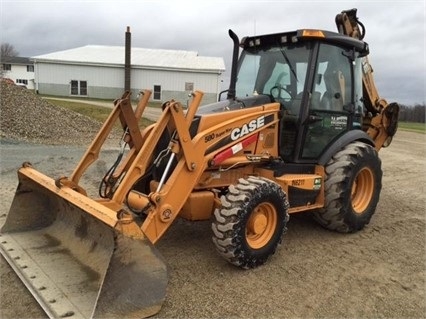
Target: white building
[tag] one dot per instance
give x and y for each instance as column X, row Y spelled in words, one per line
column 95, row 71
column 20, row 70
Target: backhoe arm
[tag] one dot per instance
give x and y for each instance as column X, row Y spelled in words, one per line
column 381, row 120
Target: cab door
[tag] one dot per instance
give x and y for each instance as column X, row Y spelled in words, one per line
column 330, row 102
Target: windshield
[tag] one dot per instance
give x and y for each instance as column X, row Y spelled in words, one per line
column 278, row 71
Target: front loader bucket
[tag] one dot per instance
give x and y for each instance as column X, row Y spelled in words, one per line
column 75, row 265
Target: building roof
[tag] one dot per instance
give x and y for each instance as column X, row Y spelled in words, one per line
column 16, row 60
column 140, row 57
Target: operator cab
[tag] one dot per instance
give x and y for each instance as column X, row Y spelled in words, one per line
column 317, row 79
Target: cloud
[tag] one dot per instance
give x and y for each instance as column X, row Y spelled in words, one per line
column 395, row 29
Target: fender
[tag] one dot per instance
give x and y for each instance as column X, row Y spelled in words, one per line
column 342, row 141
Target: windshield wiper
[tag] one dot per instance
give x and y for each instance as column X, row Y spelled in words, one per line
column 289, row 64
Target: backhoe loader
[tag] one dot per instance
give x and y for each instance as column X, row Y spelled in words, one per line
column 298, row 131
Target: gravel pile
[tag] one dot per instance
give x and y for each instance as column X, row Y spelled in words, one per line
column 24, row 116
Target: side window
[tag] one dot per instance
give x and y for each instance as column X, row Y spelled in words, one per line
column 333, row 81
column 22, row 81
column 74, row 87
column 189, row 86
column 332, row 90
column 358, row 94
column 78, row 87
column 83, row 87
column 157, row 92
column 247, row 73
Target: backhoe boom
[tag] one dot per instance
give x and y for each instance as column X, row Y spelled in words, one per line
column 381, row 120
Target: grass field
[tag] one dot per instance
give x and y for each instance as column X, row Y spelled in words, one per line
column 412, row 127
column 96, row 112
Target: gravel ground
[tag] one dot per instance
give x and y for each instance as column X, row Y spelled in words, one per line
column 24, row 116
column 378, row 272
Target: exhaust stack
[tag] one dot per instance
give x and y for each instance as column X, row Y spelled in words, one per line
column 127, row 59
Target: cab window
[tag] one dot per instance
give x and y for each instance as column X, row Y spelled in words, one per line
column 330, row 100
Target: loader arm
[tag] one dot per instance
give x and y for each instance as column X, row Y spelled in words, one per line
column 381, row 120
column 194, row 155
column 123, row 111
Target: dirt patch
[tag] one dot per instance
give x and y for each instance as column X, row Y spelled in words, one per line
column 378, row 272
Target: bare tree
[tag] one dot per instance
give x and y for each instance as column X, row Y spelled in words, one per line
column 7, row 50
column 410, row 113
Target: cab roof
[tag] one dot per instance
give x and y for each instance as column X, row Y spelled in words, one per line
column 304, row 35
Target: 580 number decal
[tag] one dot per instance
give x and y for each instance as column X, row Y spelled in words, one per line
column 209, row 137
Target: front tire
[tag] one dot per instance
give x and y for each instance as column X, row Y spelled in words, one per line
column 352, row 188
column 250, row 224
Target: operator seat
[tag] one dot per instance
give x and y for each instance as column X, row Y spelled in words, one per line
column 334, row 95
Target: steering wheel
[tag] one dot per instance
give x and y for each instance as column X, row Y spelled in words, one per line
column 276, row 92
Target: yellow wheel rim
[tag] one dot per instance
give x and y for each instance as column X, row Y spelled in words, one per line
column 261, row 225
column 362, row 190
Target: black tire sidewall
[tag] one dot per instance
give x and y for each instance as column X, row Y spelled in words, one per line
column 368, row 159
column 231, row 220
column 341, row 171
column 267, row 193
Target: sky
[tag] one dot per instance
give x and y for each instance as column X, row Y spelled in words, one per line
column 395, row 30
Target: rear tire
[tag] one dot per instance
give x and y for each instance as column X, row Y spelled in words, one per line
column 352, row 188
column 250, row 224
